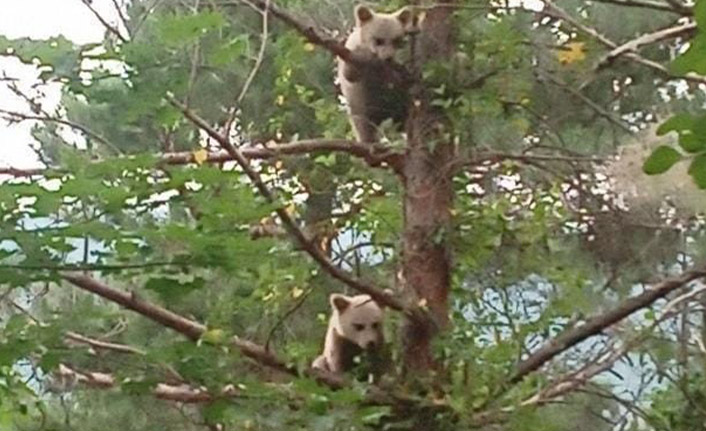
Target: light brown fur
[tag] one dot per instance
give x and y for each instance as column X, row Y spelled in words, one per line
column 355, row 327
column 375, row 36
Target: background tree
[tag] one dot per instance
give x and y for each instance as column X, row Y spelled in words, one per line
column 170, row 265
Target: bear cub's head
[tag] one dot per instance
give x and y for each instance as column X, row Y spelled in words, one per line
column 383, row 33
column 358, row 319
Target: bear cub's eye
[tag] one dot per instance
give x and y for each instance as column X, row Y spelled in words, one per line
column 379, row 42
column 358, row 326
column 375, row 325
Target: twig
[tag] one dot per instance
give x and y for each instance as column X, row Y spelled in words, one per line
column 103, row 21
column 578, row 378
column 19, row 116
column 588, row 102
column 145, row 15
column 285, row 316
column 253, row 72
column 575, row 379
column 98, row 344
column 121, row 15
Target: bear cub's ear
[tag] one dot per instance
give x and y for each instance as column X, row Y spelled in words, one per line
column 405, row 16
column 340, row 302
column 363, row 14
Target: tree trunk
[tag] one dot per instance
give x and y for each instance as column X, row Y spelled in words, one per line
column 428, row 198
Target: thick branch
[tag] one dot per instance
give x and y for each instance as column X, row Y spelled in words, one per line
column 374, row 155
column 595, row 325
column 189, row 328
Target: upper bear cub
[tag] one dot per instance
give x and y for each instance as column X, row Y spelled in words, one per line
column 371, row 91
column 355, row 327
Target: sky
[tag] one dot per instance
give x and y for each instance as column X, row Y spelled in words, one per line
column 38, row 19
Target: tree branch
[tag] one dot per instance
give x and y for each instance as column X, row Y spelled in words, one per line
column 647, row 39
column 191, row 329
column 373, row 155
column 596, row 324
column 671, row 7
column 253, row 72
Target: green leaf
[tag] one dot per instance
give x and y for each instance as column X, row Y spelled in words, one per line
column 693, row 60
column 691, row 142
column 230, row 51
column 170, row 288
column 661, row 159
column 182, row 30
column 677, row 123
column 697, row 170
column 700, row 14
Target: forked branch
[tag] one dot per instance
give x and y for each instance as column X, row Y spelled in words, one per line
column 289, row 223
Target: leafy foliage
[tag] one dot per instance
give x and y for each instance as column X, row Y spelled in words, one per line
column 539, row 241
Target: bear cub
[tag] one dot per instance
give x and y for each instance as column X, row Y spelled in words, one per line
column 375, row 92
column 355, row 327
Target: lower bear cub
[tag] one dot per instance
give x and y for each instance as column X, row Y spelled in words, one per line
column 355, row 327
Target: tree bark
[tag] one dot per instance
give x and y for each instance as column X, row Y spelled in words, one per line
column 428, row 198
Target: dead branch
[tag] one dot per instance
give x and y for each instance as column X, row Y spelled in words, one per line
column 253, row 72
column 180, row 393
column 75, row 338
